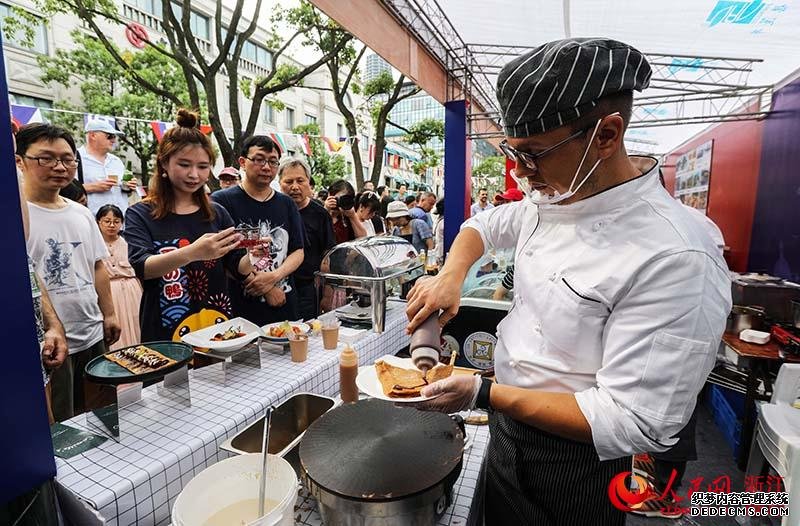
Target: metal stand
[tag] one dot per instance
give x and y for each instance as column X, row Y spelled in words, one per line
column 281, row 349
column 248, row 356
column 176, row 387
column 103, row 403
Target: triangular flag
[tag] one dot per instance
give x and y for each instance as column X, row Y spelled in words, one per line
column 206, row 129
column 160, row 127
column 304, row 143
column 276, row 138
column 333, row 146
column 23, row 115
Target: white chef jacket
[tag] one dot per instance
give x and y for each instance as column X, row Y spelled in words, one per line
column 621, row 299
column 710, row 226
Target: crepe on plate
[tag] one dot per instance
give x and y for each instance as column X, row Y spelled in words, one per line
column 140, row 359
column 398, row 382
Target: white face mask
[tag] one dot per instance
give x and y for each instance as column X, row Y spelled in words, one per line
column 540, row 198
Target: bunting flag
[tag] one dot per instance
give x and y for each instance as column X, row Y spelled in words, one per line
column 276, row 137
column 305, row 145
column 22, row 115
column 160, row 127
column 334, row 146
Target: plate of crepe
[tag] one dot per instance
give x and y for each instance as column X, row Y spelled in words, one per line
column 138, row 363
column 398, row 380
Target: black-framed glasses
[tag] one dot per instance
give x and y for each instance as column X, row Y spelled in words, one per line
column 111, row 136
column 530, row 159
column 52, row 162
column 263, row 162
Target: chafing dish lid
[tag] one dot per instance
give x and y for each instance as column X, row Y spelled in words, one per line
column 370, row 257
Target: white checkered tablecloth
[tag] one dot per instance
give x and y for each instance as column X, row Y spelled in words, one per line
column 464, row 490
column 164, row 445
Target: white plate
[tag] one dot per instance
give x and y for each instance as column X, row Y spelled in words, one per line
column 202, row 338
column 368, row 383
column 265, row 331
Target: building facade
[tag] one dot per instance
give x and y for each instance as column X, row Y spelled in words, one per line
column 374, row 65
column 301, row 105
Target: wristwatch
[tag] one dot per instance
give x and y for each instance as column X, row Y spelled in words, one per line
column 483, row 400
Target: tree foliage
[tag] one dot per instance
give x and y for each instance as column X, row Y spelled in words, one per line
column 493, row 166
column 325, row 167
column 108, row 89
column 199, row 66
column 420, row 134
column 381, row 94
column 424, row 131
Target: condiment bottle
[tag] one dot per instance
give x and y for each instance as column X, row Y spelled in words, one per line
column 425, row 343
column 348, row 370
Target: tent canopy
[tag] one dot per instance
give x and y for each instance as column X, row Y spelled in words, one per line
column 709, row 57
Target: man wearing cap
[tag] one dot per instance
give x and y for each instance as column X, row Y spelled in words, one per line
column 620, row 297
column 102, row 170
column 512, row 195
column 228, row 177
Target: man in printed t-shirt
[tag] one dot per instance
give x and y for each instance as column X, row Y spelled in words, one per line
column 269, row 294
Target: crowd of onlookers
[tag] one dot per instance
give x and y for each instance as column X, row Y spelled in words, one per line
column 111, row 269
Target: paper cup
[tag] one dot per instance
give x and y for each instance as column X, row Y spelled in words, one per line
column 330, row 337
column 299, row 348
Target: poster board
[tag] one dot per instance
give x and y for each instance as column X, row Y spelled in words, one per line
column 693, row 176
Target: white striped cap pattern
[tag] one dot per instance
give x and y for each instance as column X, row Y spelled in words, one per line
column 558, row 82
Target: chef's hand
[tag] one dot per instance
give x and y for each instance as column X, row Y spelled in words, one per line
column 275, row 297
column 259, row 283
column 54, row 349
column 456, row 393
column 111, row 329
column 431, row 294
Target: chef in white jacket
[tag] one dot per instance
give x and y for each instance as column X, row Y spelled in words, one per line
column 620, row 297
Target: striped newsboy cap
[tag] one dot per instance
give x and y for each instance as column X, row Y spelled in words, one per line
column 560, row 81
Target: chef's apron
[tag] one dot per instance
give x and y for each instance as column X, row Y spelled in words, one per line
column 538, row 479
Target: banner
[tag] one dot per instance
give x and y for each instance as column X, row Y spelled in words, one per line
column 693, row 176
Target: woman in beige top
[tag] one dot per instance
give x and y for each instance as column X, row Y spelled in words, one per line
column 126, row 291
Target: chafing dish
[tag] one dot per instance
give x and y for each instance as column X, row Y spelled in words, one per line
column 377, row 266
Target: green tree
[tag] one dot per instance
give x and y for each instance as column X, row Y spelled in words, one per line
column 488, row 170
column 325, row 168
column 198, row 66
column 381, row 93
column 419, row 135
column 490, row 167
column 108, row 89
